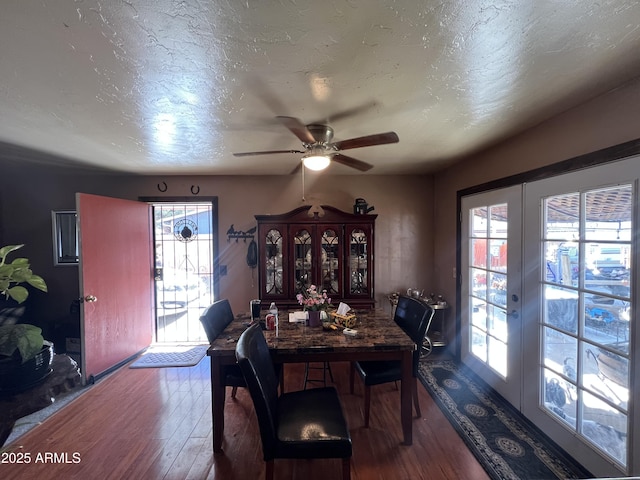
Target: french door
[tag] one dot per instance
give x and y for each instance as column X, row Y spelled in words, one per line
column 562, row 350
column 580, row 294
column 491, row 279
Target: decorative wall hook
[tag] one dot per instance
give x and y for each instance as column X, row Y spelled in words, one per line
column 163, row 188
column 195, row 189
column 239, row 234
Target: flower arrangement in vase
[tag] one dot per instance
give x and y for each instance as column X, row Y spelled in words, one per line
column 315, row 302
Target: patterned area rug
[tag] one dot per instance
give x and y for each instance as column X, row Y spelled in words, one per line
column 160, row 356
column 506, row 444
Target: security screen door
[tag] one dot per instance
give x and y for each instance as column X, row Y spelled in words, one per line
column 184, row 235
column 491, row 278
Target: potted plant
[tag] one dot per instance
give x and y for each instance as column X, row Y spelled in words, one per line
column 25, row 356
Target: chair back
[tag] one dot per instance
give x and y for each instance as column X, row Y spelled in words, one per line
column 252, row 354
column 216, row 318
column 413, row 316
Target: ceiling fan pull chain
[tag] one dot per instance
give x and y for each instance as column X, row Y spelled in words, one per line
column 303, row 199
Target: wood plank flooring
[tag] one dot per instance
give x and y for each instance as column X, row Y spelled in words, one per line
column 156, row 424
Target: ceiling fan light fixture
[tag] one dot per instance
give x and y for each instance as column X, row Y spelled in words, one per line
column 316, row 162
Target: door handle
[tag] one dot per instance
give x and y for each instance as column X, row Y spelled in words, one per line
column 89, row 299
column 514, row 314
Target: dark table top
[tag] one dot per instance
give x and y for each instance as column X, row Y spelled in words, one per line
column 376, row 332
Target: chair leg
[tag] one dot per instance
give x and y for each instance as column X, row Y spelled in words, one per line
column 234, row 390
column 367, row 404
column 346, row 468
column 352, row 374
column 269, row 470
column 327, row 366
column 415, row 398
column 282, row 379
column 306, row 375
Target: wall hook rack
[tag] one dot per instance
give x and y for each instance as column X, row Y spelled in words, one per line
column 239, row 234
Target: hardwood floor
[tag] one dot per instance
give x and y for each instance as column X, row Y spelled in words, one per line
column 156, row 424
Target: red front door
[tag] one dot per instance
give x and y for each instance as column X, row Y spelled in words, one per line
column 115, row 281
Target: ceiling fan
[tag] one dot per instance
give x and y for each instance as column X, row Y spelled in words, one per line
column 319, row 151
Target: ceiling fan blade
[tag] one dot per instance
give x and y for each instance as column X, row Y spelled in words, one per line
column 298, row 128
column 268, row 152
column 367, row 141
column 351, row 162
column 347, row 113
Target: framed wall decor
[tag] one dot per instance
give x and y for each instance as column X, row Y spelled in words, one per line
column 65, row 237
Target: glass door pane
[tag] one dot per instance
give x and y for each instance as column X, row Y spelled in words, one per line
column 330, row 262
column 273, row 263
column 358, row 262
column 488, row 267
column 586, row 317
column 303, row 260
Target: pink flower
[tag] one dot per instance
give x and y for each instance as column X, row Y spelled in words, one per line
column 314, row 300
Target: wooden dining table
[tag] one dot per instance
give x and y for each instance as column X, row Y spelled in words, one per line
column 378, row 338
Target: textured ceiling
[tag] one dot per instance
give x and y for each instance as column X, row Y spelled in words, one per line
column 175, row 87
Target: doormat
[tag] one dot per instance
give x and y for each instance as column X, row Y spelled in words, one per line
column 160, row 356
column 506, row 444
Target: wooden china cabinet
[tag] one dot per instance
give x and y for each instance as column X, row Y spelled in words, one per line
column 329, row 248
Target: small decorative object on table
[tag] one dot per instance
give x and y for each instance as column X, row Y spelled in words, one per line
column 347, row 321
column 315, row 303
column 343, row 316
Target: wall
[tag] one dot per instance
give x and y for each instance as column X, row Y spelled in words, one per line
column 608, row 120
column 416, row 227
column 403, row 252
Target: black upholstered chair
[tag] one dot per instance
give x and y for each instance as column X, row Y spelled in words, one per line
column 414, row 317
column 214, row 320
column 303, row 424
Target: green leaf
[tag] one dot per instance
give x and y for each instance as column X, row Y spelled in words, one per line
column 6, row 250
column 18, row 272
column 18, row 293
column 38, row 282
column 20, row 262
column 27, row 339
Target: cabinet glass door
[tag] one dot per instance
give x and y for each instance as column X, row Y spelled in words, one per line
column 358, row 262
column 273, row 263
column 303, row 259
column 330, row 262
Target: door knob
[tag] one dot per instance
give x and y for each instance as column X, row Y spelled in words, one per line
column 90, row 299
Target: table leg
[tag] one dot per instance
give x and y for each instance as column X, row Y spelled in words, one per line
column 217, row 403
column 406, row 397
